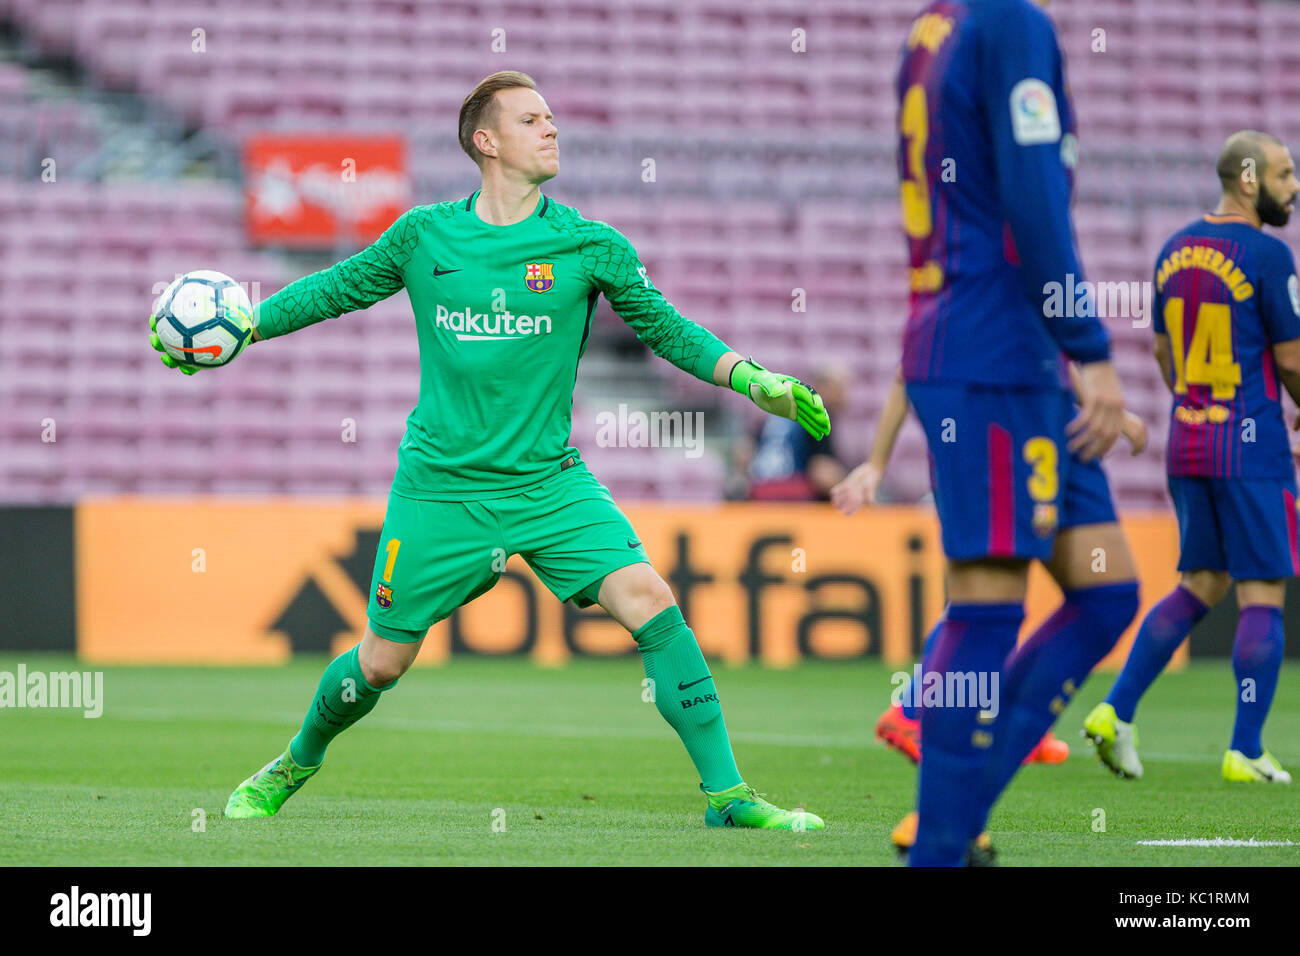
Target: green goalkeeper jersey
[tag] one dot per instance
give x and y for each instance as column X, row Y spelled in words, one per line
column 502, row 316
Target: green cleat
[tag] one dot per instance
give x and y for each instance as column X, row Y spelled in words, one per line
column 1238, row 768
column 262, row 794
column 742, row 806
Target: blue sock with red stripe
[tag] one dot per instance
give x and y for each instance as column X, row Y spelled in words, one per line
column 1164, row 628
column 1043, row 674
column 1256, row 661
column 910, row 710
column 973, row 639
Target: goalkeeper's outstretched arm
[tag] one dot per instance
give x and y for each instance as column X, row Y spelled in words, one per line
column 358, row 282
column 617, row 272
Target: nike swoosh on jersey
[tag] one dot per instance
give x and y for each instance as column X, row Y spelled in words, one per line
column 443, row 272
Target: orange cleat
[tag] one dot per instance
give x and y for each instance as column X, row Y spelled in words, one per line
column 903, row 837
column 904, row 735
column 899, row 732
column 1051, row 749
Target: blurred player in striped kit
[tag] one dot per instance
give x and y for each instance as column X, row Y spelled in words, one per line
column 986, row 156
column 1227, row 324
column 899, row 727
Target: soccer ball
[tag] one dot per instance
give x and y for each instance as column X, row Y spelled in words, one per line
column 203, row 319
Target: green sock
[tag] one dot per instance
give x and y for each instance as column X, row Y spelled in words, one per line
column 685, row 694
column 342, row 699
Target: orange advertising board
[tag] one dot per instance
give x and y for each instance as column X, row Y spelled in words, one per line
column 314, row 191
column 252, row 582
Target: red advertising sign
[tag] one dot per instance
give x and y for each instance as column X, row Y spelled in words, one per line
column 311, row 191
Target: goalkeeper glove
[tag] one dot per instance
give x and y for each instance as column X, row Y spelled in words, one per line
column 782, row 395
column 157, row 344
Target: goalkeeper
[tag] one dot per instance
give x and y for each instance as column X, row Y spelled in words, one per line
column 503, row 286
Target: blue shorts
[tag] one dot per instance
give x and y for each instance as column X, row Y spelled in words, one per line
column 1245, row 526
column 1003, row 481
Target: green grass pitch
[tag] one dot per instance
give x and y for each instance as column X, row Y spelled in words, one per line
column 586, row 773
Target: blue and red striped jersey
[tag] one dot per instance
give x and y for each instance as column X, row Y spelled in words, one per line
column 985, row 164
column 1224, row 293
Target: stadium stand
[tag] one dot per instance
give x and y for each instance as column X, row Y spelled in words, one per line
column 774, row 173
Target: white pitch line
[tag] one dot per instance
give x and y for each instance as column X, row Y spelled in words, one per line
column 1217, row 842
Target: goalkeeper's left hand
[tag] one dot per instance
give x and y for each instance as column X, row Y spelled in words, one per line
column 158, row 346
column 782, row 395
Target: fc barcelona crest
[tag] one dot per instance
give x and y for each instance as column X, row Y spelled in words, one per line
column 384, row 596
column 1044, row 520
column 540, row 276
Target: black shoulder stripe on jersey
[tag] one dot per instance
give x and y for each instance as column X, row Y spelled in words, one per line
column 586, row 330
column 469, row 202
column 546, row 201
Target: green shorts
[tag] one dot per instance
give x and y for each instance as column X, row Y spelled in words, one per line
column 435, row 556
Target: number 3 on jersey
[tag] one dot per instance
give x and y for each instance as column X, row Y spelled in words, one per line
column 914, row 191
column 1208, row 359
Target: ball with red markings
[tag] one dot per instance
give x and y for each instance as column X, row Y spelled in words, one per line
column 203, row 319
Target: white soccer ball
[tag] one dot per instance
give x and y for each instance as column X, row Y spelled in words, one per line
column 203, row 319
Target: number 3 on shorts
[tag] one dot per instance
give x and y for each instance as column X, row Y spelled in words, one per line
column 1041, row 455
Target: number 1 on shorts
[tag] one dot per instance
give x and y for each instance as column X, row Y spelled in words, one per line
column 391, row 548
